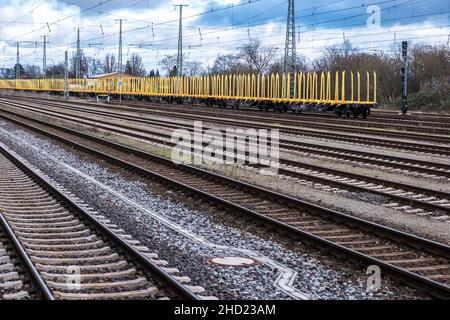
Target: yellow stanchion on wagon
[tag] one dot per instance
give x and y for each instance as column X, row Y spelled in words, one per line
column 293, row 88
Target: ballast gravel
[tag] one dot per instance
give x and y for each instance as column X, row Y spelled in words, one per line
column 315, row 278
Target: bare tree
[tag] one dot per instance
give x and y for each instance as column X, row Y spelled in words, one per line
column 257, row 57
column 154, row 73
column 109, row 64
column 227, row 64
column 32, row 71
column 194, row 68
column 73, row 65
column 252, row 58
column 56, row 71
column 134, row 66
column 277, row 66
column 428, row 63
column 95, row 67
column 169, row 65
column 7, row 73
column 347, row 58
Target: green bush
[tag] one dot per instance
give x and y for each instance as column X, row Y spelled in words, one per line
column 425, row 99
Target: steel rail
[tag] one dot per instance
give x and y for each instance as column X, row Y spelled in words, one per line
column 334, row 152
column 137, row 257
column 30, row 268
column 443, row 138
column 306, row 147
column 375, row 116
column 335, row 128
column 343, row 185
column 370, row 125
column 443, row 117
column 436, row 288
column 405, row 145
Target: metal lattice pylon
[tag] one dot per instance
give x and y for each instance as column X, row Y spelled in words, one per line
column 18, row 62
column 180, row 42
column 78, row 58
column 66, row 75
column 120, row 57
column 44, row 58
column 405, row 72
column 290, row 51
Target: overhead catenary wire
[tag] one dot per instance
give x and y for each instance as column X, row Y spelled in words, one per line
column 233, row 27
column 55, row 22
column 165, row 44
column 303, row 16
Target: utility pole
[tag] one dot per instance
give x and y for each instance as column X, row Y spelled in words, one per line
column 405, row 73
column 78, row 57
column 44, row 59
column 66, row 75
column 18, row 62
column 405, row 77
column 290, row 50
column 119, row 64
column 120, row 57
column 180, row 41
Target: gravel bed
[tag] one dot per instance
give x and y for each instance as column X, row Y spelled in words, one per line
column 414, row 178
column 318, row 279
column 366, row 197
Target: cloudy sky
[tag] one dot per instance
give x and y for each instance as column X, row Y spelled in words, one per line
column 212, row 27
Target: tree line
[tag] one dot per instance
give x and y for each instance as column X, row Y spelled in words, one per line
column 83, row 66
column 429, row 77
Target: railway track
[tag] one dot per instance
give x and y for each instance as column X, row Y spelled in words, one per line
column 420, row 262
column 442, row 135
column 401, row 124
column 432, row 169
column 423, row 122
column 14, row 273
column 289, row 126
column 76, row 253
column 311, row 120
column 422, row 119
column 321, row 134
column 408, row 198
column 378, row 117
column 442, row 117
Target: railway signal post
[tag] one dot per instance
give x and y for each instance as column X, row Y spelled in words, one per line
column 405, row 77
column 66, row 75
